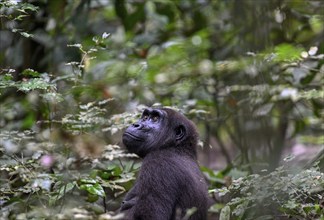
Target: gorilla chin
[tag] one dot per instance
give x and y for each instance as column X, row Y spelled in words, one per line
column 170, row 181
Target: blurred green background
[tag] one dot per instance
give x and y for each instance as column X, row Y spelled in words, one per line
column 74, row 74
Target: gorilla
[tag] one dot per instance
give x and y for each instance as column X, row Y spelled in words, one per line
column 169, row 182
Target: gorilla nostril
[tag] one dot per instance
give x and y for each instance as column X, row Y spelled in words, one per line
column 137, row 125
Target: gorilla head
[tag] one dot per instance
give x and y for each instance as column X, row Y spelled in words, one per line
column 170, row 181
column 161, row 128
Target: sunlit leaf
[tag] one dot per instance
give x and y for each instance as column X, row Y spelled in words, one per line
column 35, row 83
column 25, row 34
column 287, row 52
column 95, row 189
column 30, row 72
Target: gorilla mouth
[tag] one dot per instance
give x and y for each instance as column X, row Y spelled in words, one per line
column 134, row 137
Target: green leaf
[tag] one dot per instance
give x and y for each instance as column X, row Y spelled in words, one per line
column 104, row 175
column 32, row 84
column 64, row 189
column 29, row 121
column 287, row 52
column 30, row 72
column 8, row 77
column 116, row 171
column 95, row 189
column 87, row 181
column 225, row 213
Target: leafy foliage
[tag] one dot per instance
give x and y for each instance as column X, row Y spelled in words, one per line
column 43, row 180
column 279, row 193
column 71, row 71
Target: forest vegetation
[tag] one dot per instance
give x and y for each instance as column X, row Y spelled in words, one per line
column 75, row 74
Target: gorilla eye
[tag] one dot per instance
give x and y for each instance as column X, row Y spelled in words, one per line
column 155, row 118
column 145, row 117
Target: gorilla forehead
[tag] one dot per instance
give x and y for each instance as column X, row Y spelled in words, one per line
column 172, row 115
column 154, row 111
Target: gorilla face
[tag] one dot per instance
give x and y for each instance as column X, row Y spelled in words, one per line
column 157, row 129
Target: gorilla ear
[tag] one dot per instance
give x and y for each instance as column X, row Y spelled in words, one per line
column 180, row 132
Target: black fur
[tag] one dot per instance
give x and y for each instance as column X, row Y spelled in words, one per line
column 169, row 182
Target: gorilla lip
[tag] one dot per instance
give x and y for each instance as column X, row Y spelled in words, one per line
column 133, row 136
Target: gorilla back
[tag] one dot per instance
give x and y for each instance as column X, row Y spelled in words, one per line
column 169, row 182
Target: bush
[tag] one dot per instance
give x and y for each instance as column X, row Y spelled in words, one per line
column 280, row 194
